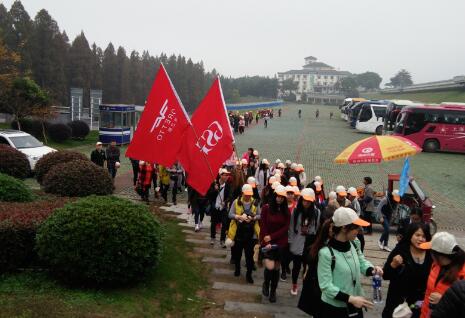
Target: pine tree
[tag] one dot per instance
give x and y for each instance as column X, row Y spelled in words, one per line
column 110, row 82
column 97, row 60
column 22, row 29
column 79, row 66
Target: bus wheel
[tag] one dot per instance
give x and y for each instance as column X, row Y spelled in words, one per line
column 379, row 130
column 431, row 145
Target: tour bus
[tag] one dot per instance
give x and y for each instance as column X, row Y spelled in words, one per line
column 393, row 109
column 434, row 127
column 348, row 104
column 370, row 119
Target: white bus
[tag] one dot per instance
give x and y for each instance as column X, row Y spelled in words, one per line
column 371, row 118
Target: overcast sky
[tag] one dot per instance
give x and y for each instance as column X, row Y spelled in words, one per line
column 263, row 37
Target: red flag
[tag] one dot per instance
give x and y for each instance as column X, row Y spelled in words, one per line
column 158, row 136
column 209, row 143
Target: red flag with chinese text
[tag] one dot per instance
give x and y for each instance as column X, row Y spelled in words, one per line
column 210, row 141
column 163, row 123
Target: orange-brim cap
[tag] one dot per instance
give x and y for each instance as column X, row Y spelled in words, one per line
column 361, row 222
column 247, row 193
column 308, row 198
column 426, row 246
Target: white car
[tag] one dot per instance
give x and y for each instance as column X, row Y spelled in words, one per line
column 27, row 144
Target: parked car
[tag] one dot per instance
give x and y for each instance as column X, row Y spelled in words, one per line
column 27, row 144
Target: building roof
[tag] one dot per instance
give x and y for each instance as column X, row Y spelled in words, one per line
column 316, row 72
column 311, row 57
column 316, row 64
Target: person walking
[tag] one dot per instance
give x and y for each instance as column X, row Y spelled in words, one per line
column 262, row 174
column 257, row 117
column 279, row 112
column 219, row 214
column 352, row 196
column 368, row 203
column 331, row 114
column 112, row 156
column 452, row 304
column 386, row 209
column 448, row 267
column 244, row 230
column 265, row 120
column 241, row 125
column 98, row 157
column 300, row 113
column 407, row 268
column 164, row 182
column 304, row 225
column 342, row 197
column 174, row 173
column 199, row 206
column 340, row 265
column 317, row 113
column 145, row 179
column 135, row 170
column 274, row 225
column 301, row 175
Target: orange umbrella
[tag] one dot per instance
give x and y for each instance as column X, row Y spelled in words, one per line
column 378, row 148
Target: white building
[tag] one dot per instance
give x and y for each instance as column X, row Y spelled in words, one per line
column 315, row 78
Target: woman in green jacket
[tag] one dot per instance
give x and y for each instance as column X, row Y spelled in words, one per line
column 340, row 265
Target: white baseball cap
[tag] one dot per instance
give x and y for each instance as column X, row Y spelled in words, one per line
column 281, row 165
column 265, row 162
column 275, row 184
column 352, row 191
column 442, row 242
column 223, row 171
column 280, row 190
column 288, row 162
column 98, row 143
column 278, row 161
column 345, row 216
column 255, row 152
column 308, row 194
column 252, row 181
column 317, row 186
column 296, row 190
column 272, row 180
column 319, row 179
column 341, row 190
column 292, row 181
column 293, row 166
column 332, row 195
column 244, row 161
column 290, row 189
column 247, row 189
column 300, row 167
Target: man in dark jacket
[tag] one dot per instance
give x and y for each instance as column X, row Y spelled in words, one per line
column 112, row 158
column 97, row 156
column 222, row 193
column 452, row 304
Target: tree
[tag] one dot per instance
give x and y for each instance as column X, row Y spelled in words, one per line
column 401, row 79
column 348, row 85
column 96, row 73
column 24, row 98
column 110, row 75
column 289, row 85
column 369, row 80
column 79, row 65
column 9, row 70
column 22, row 30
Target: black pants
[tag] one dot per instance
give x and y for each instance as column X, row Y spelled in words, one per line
column 368, row 216
column 328, row 310
column 266, row 123
column 286, row 258
column 361, row 238
column 246, row 246
column 164, row 191
column 145, row 193
column 135, row 172
column 111, row 169
column 199, row 211
column 297, row 265
column 219, row 217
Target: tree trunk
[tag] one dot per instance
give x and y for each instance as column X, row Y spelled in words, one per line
column 43, row 132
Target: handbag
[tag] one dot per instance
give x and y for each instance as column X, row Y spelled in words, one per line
column 402, row 311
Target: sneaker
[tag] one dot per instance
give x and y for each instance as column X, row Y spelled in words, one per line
column 283, row 276
column 381, row 247
column 249, row 278
column 212, row 242
column 222, row 244
column 200, row 225
column 197, row 228
column 387, row 249
column 294, row 290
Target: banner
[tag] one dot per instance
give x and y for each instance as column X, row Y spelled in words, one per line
column 210, row 141
column 158, row 137
column 404, row 177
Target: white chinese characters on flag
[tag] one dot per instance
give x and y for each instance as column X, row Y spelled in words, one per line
column 209, row 143
column 162, row 125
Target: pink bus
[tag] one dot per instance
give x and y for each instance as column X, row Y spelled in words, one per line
column 434, row 127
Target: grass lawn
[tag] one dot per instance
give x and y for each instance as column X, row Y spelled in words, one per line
column 425, row 97
column 91, row 139
column 173, row 290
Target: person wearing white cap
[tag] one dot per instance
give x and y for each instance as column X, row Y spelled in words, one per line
column 319, row 190
column 301, row 175
column 256, row 194
column 112, row 155
column 448, row 267
column 303, row 227
column 244, row 229
column 342, row 196
column 407, row 268
column 98, row 157
column 286, row 256
column 268, row 191
column 262, row 175
column 385, row 210
column 340, row 266
column 222, row 192
column 274, row 225
column 275, row 166
column 331, row 206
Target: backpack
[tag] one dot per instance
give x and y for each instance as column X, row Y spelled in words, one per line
column 310, row 297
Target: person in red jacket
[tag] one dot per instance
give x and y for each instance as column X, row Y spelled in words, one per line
column 448, row 267
column 144, row 179
column 274, row 225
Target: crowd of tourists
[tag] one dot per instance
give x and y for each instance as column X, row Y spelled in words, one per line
column 286, row 222
column 240, row 121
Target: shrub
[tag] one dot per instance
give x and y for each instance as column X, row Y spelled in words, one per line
column 100, row 241
column 18, row 227
column 78, row 178
column 14, row 190
column 31, row 126
column 49, row 160
column 13, row 162
column 59, row 132
column 79, row 129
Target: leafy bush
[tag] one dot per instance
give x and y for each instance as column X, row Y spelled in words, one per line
column 49, row 160
column 14, row 190
column 31, row 126
column 100, row 241
column 79, row 129
column 78, row 178
column 59, row 132
column 18, row 227
column 13, row 162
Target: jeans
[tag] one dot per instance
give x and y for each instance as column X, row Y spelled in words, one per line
column 112, row 169
column 219, row 216
column 199, row 211
column 385, row 236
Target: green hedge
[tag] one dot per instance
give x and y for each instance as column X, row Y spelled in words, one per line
column 13, row 162
column 14, row 190
column 53, row 158
column 100, row 241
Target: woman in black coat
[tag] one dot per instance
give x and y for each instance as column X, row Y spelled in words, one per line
column 452, row 304
column 407, row 268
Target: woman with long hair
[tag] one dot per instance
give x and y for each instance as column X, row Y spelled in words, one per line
column 274, row 224
column 340, row 266
column 407, row 268
column 448, row 267
column 303, row 227
column 262, row 175
column 386, row 209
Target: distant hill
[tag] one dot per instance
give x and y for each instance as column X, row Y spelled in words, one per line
column 424, row 97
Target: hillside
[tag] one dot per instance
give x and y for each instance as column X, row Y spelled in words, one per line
column 424, row 97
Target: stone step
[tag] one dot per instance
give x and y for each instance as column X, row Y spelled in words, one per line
column 197, row 241
column 271, row 309
column 252, row 289
column 211, row 251
column 215, row 260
